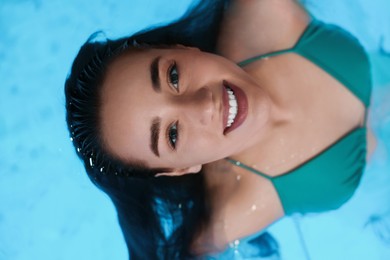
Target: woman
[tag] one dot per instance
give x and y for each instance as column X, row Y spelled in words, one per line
column 265, row 103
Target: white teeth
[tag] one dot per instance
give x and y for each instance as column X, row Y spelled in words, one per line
column 233, row 110
column 233, row 103
column 233, row 107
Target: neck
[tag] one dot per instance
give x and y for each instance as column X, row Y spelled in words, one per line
column 283, row 105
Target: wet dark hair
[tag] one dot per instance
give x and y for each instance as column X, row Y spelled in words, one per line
column 158, row 216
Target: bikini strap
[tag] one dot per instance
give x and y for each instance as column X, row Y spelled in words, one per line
column 246, row 167
column 264, row 56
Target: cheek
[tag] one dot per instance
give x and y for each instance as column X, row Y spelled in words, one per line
column 205, row 68
column 204, row 147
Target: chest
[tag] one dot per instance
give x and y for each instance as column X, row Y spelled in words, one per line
column 322, row 110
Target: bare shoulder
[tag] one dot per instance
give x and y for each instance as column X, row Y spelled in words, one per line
column 252, row 27
column 254, row 207
column 242, row 204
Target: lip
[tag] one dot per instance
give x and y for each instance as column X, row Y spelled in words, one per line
column 242, row 107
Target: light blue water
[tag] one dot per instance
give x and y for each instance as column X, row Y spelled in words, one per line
column 48, row 207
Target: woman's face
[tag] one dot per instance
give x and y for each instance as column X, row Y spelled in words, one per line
column 170, row 108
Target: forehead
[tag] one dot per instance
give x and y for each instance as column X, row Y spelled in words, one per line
column 131, row 68
column 124, row 117
column 127, row 62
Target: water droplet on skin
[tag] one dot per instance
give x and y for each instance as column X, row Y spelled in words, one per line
column 238, row 177
column 254, row 207
column 236, row 242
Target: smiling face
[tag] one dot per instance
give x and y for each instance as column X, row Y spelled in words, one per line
column 170, row 108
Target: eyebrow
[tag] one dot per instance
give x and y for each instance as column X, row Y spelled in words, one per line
column 154, row 135
column 154, row 75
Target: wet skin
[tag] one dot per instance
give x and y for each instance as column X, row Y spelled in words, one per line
column 187, row 106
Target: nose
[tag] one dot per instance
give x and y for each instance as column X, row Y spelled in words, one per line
column 198, row 106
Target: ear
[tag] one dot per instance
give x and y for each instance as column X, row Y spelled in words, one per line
column 179, row 172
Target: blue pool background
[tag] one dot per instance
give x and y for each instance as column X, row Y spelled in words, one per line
column 48, row 207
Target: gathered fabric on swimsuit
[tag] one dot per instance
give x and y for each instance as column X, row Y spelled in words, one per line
column 329, row 179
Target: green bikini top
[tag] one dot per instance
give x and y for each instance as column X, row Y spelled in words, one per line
column 329, row 179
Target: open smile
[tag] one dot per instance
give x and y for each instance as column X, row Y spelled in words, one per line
column 235, row 107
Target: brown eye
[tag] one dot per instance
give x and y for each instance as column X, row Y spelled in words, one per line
column 173, row 76
column 173, row 135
